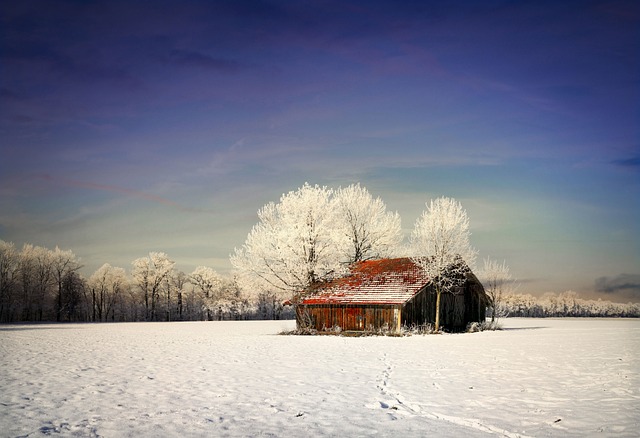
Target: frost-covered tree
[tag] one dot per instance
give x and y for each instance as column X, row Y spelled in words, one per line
column 209, row 283
column 107, row 285
column 9, row 263
column 230, row 300
column 296, row 243
column 74, row 288
column 370, row 230
column 441, row 247
column 149, row 273
column 178, row 282
column 62, row 264
column 36, row 276
column 565, row 304
column 26, row 281
column 497, row 282
column 174, row 282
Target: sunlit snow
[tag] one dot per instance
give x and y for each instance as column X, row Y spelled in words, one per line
column 538, row 377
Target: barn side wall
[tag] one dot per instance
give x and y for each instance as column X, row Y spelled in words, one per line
column 349, row 317
column 475, row 302
column 457, row 309
column 421, row 309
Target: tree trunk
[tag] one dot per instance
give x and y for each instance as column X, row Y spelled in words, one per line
column 273, row 304
column 93, row 300
column 154, row 292
column 146, row 304
column 168, row 303
column 438, row 293
column 59, row 306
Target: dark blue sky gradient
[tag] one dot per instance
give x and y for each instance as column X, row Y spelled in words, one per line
column 127, row 127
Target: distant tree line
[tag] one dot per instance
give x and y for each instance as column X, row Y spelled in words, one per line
column 562, row 305
column 39, row 284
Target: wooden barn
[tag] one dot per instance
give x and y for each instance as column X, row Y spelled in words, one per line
column 389, row 294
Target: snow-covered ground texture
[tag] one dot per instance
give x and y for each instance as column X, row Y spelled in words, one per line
column 537, row 377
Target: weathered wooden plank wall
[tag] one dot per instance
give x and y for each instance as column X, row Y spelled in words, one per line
column 475, row 303
column 456, row 309
column 350, row 317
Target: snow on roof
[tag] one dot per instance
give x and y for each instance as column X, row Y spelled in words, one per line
column 386, row 281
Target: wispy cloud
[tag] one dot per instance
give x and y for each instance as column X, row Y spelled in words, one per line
column 620, row 283
column 196, row 59
column 5, row 93
column 116, row 189
column 629, row 163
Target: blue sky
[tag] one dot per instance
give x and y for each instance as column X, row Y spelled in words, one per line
column 129, row 127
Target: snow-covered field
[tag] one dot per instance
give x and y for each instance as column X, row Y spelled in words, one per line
column 538, row 377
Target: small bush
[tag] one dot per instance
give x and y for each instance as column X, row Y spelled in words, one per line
column 300, row 331
column 421, row 329
column 336, row 329
column 474, row 327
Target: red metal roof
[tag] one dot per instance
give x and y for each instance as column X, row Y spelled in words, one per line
column 386, row 281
